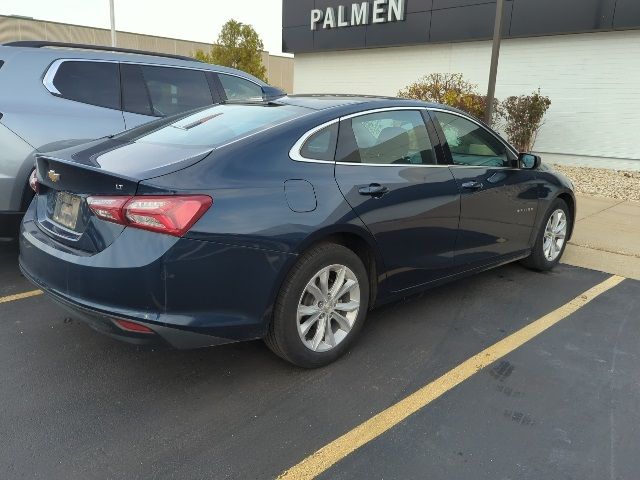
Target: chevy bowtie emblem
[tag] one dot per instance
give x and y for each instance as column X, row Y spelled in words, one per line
column 53, row 176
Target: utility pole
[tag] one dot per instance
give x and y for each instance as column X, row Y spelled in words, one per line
column 493, row 69
column 113, row 23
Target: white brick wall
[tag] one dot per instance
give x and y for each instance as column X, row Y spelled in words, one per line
column 593, row 81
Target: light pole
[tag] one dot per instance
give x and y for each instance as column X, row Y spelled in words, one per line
column 113, row 23
column 493, row 69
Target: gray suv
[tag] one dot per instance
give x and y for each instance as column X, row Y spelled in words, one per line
column 55, row 95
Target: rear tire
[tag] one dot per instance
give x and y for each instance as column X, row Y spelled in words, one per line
column 320, row 308
column 551, row 239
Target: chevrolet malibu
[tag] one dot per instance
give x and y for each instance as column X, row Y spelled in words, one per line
column 285, row 220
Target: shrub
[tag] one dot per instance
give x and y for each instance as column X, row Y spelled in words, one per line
column 523, row 118
column 434, row 87
column 450, row 89
column 519, row 117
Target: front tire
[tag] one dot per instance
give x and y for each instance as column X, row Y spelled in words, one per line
column 552, row 238
column 321, row 307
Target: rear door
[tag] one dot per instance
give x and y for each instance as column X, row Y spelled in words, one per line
column 498, row 200
column 150, row 91
column 386, row 167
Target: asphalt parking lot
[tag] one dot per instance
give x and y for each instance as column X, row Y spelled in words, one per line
column 564, row 405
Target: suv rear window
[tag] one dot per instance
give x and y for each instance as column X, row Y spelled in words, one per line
column 236, row 88
column 95, row 83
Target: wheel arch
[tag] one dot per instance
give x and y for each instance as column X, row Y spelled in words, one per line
column 358, row 240
column 570, row 200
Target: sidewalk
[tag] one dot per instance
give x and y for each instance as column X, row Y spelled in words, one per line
column 591, row 162
column 606, row 236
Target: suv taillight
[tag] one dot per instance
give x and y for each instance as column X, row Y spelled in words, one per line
column 170, row 214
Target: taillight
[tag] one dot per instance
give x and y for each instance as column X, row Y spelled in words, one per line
column 33, row 182
column 109, row 208
column 170, row 214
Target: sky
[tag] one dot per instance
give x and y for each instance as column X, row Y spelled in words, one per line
column 198, row 20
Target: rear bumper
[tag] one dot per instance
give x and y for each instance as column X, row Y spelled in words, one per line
column 105, row 323
column 191, row 293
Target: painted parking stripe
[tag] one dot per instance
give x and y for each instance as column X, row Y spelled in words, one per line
column 330, row 454
column 20, row 296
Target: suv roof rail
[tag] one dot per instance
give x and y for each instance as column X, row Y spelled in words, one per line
column 43, row 43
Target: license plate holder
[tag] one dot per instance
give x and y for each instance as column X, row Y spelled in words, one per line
column 66, row 208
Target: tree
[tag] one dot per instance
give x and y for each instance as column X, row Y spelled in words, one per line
column 238, row 46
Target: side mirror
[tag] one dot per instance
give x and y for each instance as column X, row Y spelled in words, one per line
column 529, row 161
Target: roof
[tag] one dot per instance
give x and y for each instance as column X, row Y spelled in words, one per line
column 57, row 50
column 325, row 101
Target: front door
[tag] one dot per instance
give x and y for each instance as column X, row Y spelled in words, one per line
column 498, row 202
column 387, row 170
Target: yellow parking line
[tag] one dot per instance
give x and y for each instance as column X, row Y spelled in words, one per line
column 20, row 296
column 323, row 459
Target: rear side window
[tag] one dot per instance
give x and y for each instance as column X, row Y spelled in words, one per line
column 95, row 83
column 163, row 91
column 236, row 88
column 397, row 137
column 321, row 145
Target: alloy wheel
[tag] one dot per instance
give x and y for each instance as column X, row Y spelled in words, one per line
column 554, row 235
column 328, row 308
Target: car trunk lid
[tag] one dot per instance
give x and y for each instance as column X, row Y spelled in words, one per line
column 66, row 183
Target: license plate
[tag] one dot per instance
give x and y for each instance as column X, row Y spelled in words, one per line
column 66, row 209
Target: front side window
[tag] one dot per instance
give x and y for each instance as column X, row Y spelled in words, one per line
column 397, row 137
column 321, row 145
column 236, row 88
column 164, row 91
column 471, row 144
column 95, row 83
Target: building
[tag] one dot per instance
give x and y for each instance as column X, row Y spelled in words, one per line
column 583, row 54
column 12, row 28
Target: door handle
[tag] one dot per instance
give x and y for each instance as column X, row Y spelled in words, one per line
column 472, row 185
column 373, row 190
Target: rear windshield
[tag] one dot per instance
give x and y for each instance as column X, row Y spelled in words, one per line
column 221, row 124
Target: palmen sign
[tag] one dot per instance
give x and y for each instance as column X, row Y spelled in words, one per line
column 363, row 13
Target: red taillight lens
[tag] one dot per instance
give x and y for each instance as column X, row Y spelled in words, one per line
column 133, row 326
column 171, row 214
column 33, row 182
column 109, row 208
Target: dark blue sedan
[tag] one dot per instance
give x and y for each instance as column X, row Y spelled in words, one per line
column 285, row 220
